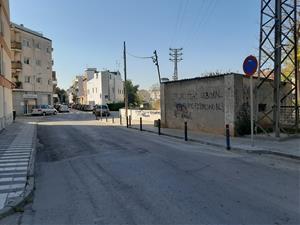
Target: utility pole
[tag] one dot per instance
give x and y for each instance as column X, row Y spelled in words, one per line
column 176, row 57
column 155, row 61
column 125, row 89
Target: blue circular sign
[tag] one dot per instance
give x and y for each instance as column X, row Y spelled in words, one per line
column 250, row 65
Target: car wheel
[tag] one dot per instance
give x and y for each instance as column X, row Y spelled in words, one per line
column 44, row 113
column 54, row 113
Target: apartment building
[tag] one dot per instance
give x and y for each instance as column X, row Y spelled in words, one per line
column 31, row 69
column 6, row 84
column 76, row 91
column 104, row 87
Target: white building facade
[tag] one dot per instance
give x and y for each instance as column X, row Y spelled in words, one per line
column 6, row 84
column 31, row 69
column 105, row 87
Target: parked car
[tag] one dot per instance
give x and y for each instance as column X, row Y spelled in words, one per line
column 43, row 110
column 63, row 108
column 101, row 110
column 56, row 106
column 88, row 108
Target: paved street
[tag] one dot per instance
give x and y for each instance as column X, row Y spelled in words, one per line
column 92, row 174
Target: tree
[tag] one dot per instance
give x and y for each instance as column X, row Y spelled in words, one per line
column 144, row 95
column 133, row 98
column 62, row 95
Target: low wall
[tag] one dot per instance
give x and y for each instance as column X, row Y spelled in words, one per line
column 147, row 115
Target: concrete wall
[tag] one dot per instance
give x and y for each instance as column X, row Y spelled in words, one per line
column 147, row 115
column 209, row 103
column 200, row 102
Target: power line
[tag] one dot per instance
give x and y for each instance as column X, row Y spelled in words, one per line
column 181, row 18
column 200, row 12
column 206, row 17
column 139, row 57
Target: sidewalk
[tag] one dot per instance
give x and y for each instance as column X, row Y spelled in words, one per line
column 17, row 144
column 262, row 144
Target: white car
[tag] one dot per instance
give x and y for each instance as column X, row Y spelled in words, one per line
column 63, row 108
column 43, row 110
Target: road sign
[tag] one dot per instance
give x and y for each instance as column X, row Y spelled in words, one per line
column 250, row 65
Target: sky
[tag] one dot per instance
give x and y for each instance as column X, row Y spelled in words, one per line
column 216, row 35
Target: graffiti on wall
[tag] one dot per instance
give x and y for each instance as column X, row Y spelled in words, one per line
column 143, row 113
column 196, row 95
column 198, row 101
column 182, row 112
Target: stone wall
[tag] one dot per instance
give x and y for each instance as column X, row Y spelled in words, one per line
column 147, row 115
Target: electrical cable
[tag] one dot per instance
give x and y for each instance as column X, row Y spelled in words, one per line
column 139, row 57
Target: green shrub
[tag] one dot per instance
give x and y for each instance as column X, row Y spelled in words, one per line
column 243, row 123
column 116, row 106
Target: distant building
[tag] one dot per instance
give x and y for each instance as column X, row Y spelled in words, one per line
column 76, row 91
column 31, row 69
column 104, row 87
column 6, row 84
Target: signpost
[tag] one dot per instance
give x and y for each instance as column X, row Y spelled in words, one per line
column 250, row 67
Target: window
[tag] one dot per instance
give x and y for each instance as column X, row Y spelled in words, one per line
column 1, row 23
column 48, row 50
column 26, row 43
column 38, row 62
column 49, row 82
column 37, row 45
column 27, row 79
column 93, row 90
column 39, row 80
column 100, row 96
column 96, row 90
column 27, row 60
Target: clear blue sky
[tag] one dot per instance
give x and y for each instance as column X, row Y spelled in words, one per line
column 215, row 34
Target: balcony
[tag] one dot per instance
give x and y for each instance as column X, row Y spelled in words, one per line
column 15, row 45
column 17, row 65
column 18, row 85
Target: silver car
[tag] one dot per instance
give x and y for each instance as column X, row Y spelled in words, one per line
column 101, row 110
column 43, row 110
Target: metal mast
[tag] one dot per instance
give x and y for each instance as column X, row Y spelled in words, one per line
column 279, row 68
column 176, row 57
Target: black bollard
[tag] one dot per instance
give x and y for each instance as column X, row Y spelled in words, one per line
column 159, row 133
column 130, row 120
column 185, row 132
column 120, row 120
column 141, row 124
column 113, row 119
column 106, row 117
column 127, row 124
column 14, row 115
column 227, row 137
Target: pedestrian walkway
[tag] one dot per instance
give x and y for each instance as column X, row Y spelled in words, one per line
column 16, row 150
column 262, row 144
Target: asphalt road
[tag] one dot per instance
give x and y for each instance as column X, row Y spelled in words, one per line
column 92, row 174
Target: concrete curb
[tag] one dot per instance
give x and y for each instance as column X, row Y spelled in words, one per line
column 233, row 148
column 21, row 201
